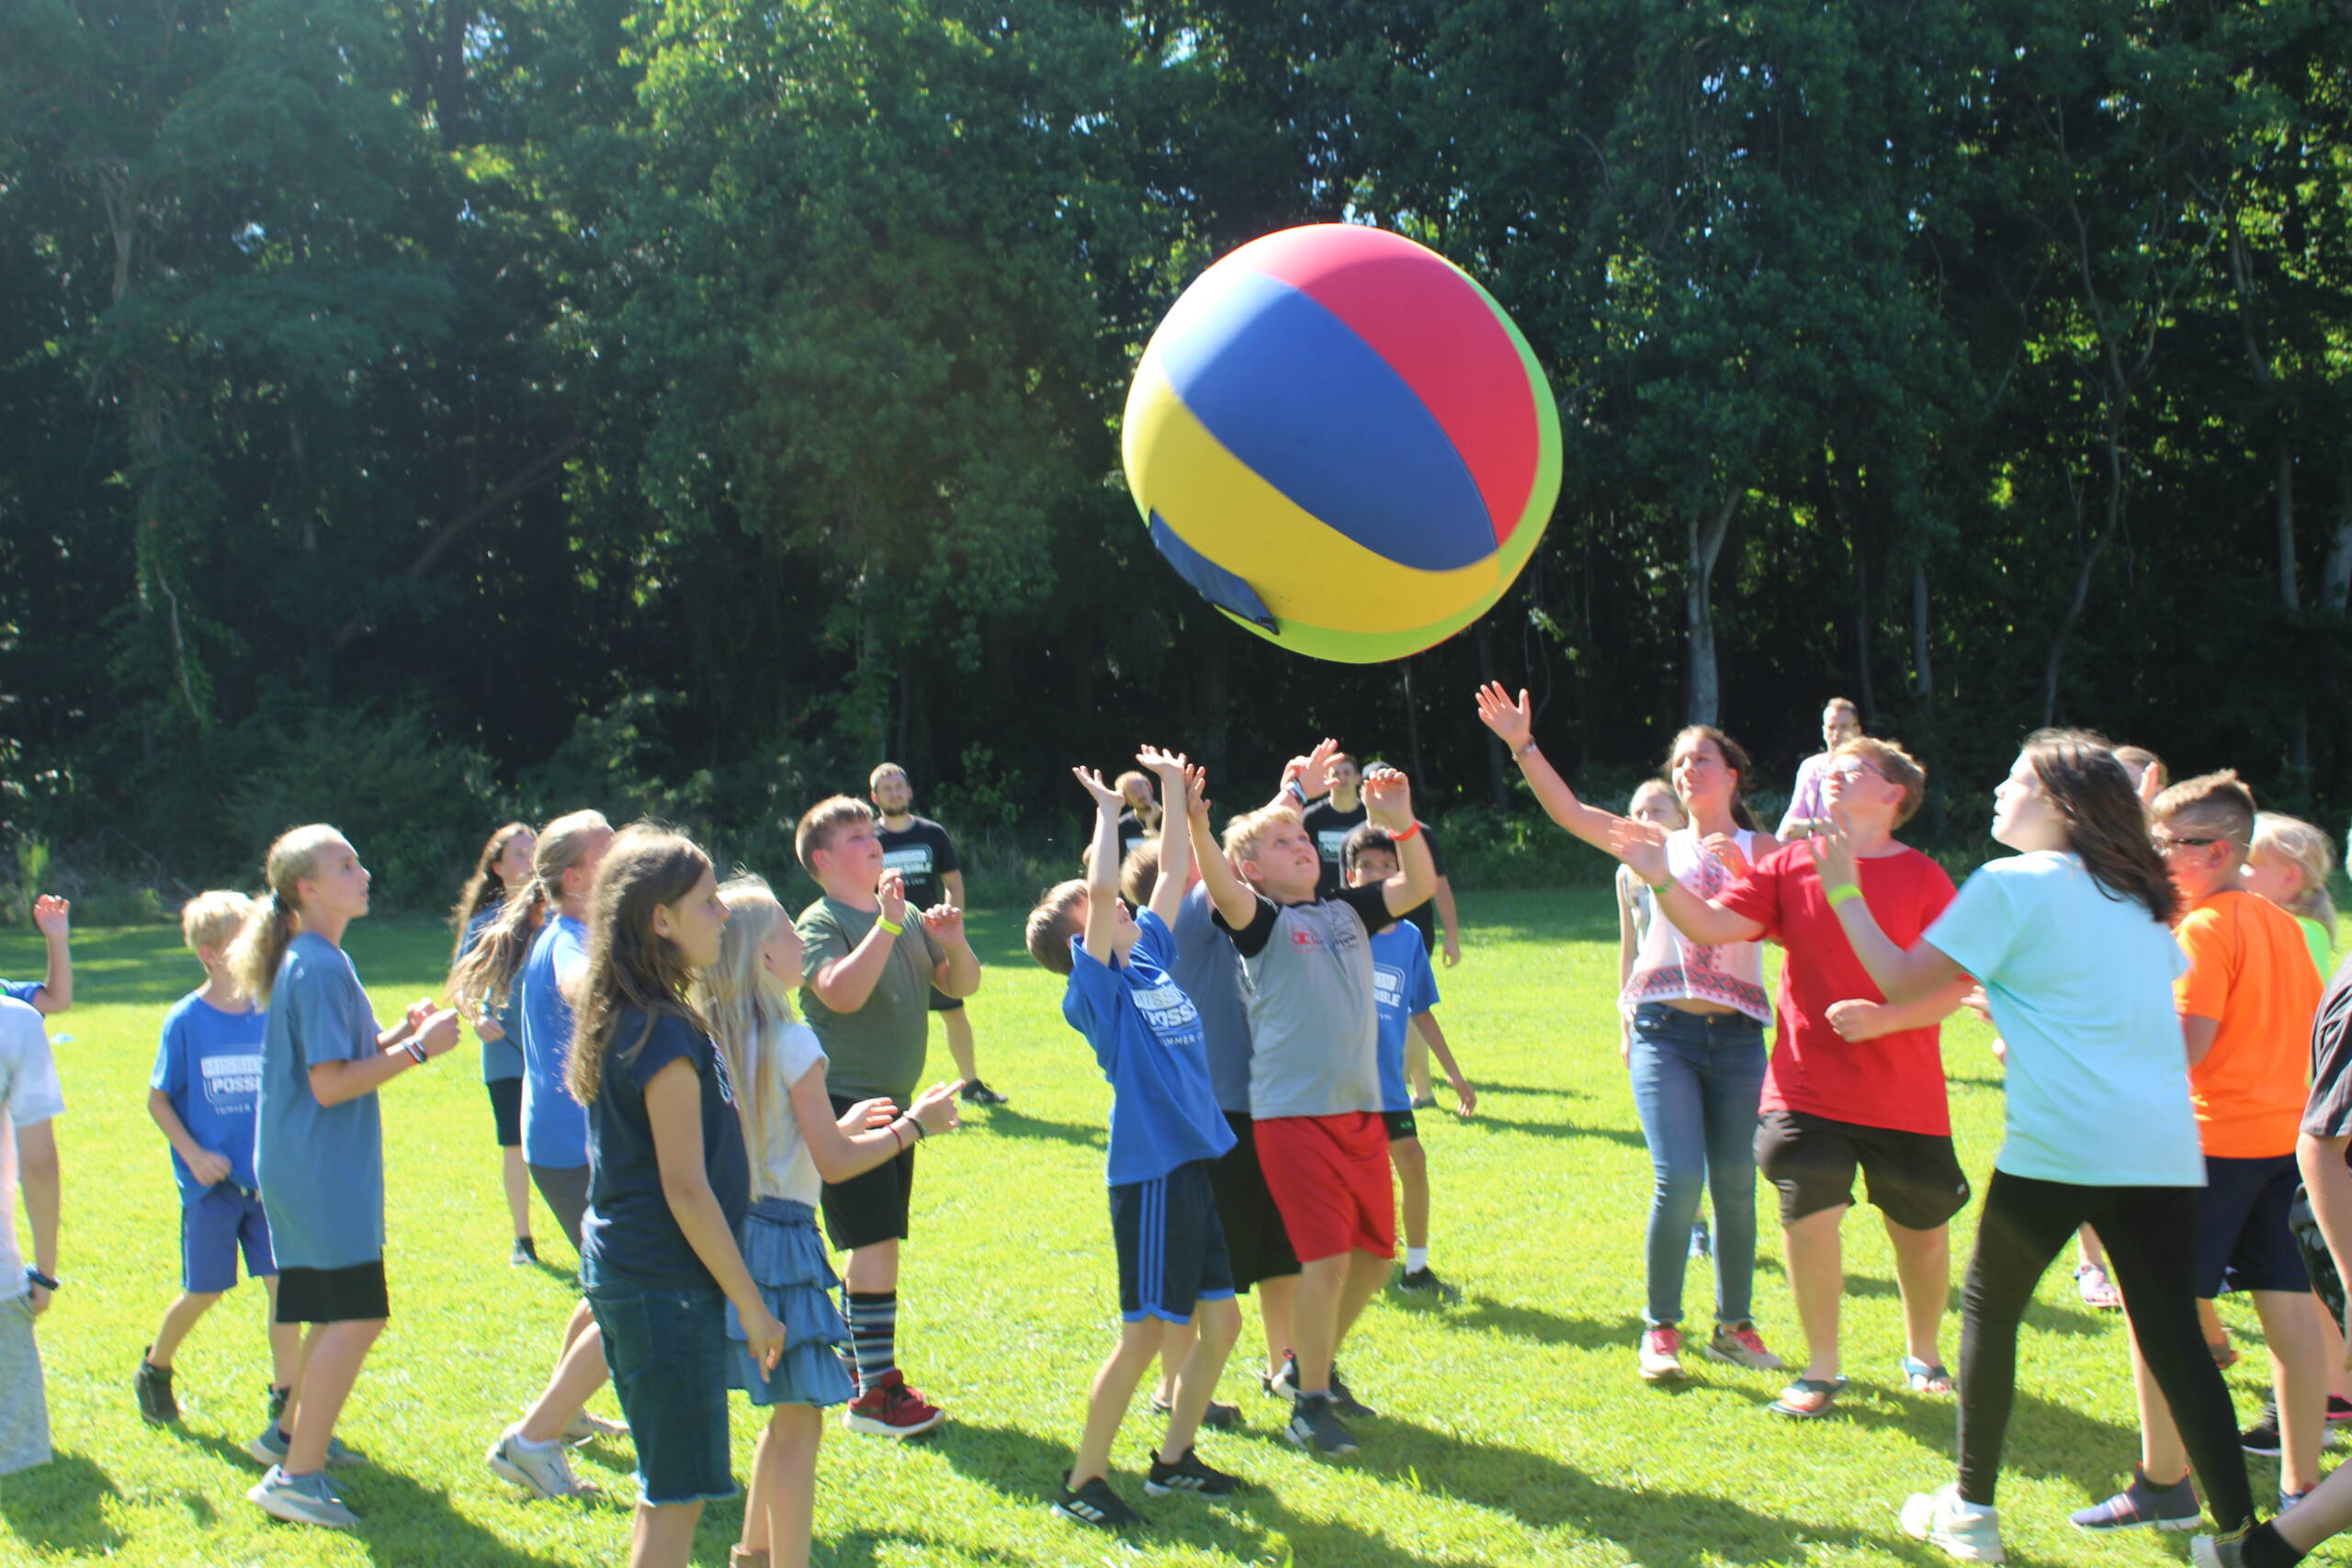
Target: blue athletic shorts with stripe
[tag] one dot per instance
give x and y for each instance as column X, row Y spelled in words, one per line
column 1172, row 1248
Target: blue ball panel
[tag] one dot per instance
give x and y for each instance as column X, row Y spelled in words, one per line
column 1308, row 406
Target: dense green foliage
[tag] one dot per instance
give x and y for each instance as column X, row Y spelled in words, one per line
column 687, row 403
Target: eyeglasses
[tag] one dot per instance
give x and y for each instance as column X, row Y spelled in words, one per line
column 1850, row 769
column 2165, row 844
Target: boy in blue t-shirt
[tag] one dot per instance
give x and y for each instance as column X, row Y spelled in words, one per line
column 1166, row 1131
column 1403, row 992
column 207, row 1079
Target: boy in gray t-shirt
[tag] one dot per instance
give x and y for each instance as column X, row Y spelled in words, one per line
column 1314, row 1070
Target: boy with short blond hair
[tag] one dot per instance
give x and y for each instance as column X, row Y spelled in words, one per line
column 2246, row 1011
column 872, row 963
column 202, row 1094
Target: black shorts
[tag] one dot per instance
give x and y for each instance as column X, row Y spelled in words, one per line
column 941, row 1002
column 356, row 1294
column 1914, row 1178
column 1257, row 1243
column 2318, row 1263
column 2244, row 1241
column 506, row 1110
column 1171, row 1249
column 565, row 1188
column 870, row 1208
column 1400, row 1124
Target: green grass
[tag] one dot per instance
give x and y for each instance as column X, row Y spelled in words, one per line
column 1514, row 1430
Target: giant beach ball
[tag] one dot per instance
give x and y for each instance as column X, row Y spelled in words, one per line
column 1341, row 441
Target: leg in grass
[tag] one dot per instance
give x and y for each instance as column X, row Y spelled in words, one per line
column 1817, row 1280
column 1106, row 1403
column 178, row 1318
column 332, row 1355
column 663, row 1535
column 1413, row 1188
column 779, row 1514
column 1923, row 1276
column 1278, row 1310
column 1209, row 1338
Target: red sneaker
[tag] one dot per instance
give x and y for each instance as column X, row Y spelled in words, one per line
column 889, row 1408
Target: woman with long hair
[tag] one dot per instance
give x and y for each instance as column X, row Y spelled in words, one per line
column 502, row 871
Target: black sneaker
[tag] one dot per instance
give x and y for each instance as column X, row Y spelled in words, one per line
column 1285, row 1386
column 2262, row 1438
column 978, row 1093
column 154, row 1386
column 525, row 1253
column 1315, row 1426
column 1423, row 1282
column 1217, row 1416
column 1188, row 1474
column 1095, row 1503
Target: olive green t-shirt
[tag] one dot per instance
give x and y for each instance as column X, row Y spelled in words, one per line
column 878, row 1049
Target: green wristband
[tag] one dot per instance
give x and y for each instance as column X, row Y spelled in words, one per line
column 1844, row 893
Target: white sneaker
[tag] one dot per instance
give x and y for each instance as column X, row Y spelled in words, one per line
column 303, row 1500
column 1661, row 1353
column 544, row 1471
column 587, row 1427
column 1935, row 1518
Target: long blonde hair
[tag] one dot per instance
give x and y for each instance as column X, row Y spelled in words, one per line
column 2309, row 851
column 630, row 966
column 260, row 948
column 484, row 974
column 746, row 1008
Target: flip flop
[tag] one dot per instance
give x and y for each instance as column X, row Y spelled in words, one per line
column 1921, row 1374
column 1827, row 1389
column 2098, row 1290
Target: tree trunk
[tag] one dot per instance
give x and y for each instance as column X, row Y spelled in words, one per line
column 1868, row 693
column 1705, row 536
column 1412, row 723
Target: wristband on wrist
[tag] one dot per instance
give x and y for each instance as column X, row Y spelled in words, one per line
column 1526, row 747
column 1844, row 893
column 897, row 1139
column 920, row 1131
column 1661, row 886
column 35, row 1277
column 1410, row 832
column 1295, row 790
column 415, row 1051
column 889, row 926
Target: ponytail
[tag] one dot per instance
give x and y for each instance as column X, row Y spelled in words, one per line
column 261, row 947
column 484, row 975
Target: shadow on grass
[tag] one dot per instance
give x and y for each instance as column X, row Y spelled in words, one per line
column 2047, row 1317
column 1541, row 1091
column 405, row 1525
column 1515, row 1320
column 1004, row 1120
column 1631, row 1137
column 60, row 1507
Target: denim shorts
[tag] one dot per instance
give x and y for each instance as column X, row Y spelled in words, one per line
column 667, row 1349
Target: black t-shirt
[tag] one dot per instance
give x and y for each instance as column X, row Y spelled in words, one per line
column 629, row 1237
column 2328, row 1112
column 1329, row 827
column 922, row 853
column 1131, row 832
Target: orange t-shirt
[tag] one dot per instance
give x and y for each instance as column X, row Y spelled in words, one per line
column 2250, row 969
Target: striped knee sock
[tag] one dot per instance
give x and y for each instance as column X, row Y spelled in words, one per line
column 873, row 1333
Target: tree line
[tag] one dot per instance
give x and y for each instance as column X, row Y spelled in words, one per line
column 422, row 409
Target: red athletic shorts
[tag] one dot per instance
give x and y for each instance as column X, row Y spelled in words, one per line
column 1330, row 1179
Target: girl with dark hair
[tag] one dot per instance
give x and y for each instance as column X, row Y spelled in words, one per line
column 2070, row 940
column 502, row 872
column 1697, row 1055
column 669, row 1181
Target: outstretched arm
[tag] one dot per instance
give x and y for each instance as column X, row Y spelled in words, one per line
column 1859, row 1019
column 53, row 917
column 1902, row 977
column 1642, row 845
column 1175, row 838
column 1231, row 896
column 1102, row 866
column 1388, row 801
column 1514, row 725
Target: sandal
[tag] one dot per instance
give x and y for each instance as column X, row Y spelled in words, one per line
column 1824, row 1390
column 1927, row 1377
column 2098, row 1291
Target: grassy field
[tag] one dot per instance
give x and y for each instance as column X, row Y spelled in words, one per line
column 1513, row 1430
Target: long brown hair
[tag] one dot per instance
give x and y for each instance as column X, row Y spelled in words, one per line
column 1735, row 757
column 261, row 946
column 477, row 894
column 629, row 966
column 2106, row 824
column 484, row 974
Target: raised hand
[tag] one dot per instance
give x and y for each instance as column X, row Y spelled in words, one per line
column 1106, row 799
column 438, row 1032
column 1832, row 853
column 1642, row 845
column 892, row 893
column 1388, row 798
column 1512, row 722
column 944, row 922
column 51, row 915
column 1167, row 767
column 1196, row 791
column 935, row 1108
column 1317, row 777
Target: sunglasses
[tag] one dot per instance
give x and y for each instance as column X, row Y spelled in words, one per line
column 2165, row 844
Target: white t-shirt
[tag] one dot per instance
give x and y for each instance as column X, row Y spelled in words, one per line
column 2080, row 983
column 787, row 1171
column 27, row 1097
column 1669, row 967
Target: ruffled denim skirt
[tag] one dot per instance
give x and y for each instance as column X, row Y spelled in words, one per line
column 786, row 1258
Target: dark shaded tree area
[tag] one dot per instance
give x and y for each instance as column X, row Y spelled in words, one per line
column 417, row 410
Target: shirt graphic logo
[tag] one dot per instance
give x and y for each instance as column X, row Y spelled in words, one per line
column 231, row 1082
column 1304, row 941
column 1388, row 986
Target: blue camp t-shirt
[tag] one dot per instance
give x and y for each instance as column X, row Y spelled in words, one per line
column 320, row 1167
column 630, row 1238
column 208, row 1066
column 2080, row 985
column 1402, row 986
column 1147, row 1034
column 555, row 1127
column 1205, row 965
column 23, row 991
column 501, row 1059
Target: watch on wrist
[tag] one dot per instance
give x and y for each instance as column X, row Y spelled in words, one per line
column 35, row 1277
column 416, row 1051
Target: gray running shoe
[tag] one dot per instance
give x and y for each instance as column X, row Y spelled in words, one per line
column 270, row 1449
column 543, row 1472
column 587, row 1427
column 301, row 1500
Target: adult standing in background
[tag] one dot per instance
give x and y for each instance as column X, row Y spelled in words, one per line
column 922, row 854
column 1329, row 821
column 1807, row 813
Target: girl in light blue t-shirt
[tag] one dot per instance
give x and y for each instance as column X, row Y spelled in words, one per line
column 2071, row 939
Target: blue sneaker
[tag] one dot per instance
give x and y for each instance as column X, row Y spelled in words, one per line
column 301, row 1500
column 2144, row 1505
column 270, row 1449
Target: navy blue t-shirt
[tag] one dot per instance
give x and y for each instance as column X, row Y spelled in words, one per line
column 629, row 1237
column 1147, row 1034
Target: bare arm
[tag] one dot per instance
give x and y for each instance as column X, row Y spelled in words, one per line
column 846, row 984
column 1642, row 846
column 2199, row 1033
column 1900, row 976
column 1465, row 1098
column 332, row 1083
column 954, row 882
column 839, row 1151
column 54, row 917
column 1388, row 802
column 1447, row 920
column 202, row 1163
column 958, row 973
column 1102, row 868
column 1513, row 723
column 1860, row 1020
column 1178, row 783
column 37, row 1173
column 1230, row 895
column 673, row 1115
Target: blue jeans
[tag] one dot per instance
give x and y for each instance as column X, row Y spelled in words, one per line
column 667, row 1350
column 1696, row 1078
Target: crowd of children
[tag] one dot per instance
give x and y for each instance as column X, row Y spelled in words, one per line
column 694, row 1082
